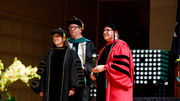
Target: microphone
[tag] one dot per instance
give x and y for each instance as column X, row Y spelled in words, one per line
column 94, row 63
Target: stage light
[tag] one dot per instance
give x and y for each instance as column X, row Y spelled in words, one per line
column 150, row 66
column 145, row 77
column 137, row 64
column 141, row 77
column 146, row 60
column 145, row 82
column 154, row 55
column 154, row 81
column 146, row 64
column 134, row 51
column 150, row 55
column 134, row 60
column 137, row 81
column 138, row 51
column 146, row 55
column 150, row 60
column 137, row 77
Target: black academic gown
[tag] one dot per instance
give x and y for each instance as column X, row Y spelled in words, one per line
column 60, row 71
column 84, row 93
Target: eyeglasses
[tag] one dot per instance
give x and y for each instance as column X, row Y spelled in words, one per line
column 107, row 30
column 73, row 27
column 56, row 36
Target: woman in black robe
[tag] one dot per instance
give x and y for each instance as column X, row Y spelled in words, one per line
column 60, row 71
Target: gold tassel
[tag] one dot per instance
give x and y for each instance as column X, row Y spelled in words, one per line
column 64, row 35
column 81, row 22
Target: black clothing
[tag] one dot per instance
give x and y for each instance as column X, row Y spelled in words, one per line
column 101, row 91
column 89, row 49
column 59, row 70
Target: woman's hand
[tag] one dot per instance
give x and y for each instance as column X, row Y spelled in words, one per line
column 99, row 68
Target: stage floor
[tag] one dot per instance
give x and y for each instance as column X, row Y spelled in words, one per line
column 156, row 99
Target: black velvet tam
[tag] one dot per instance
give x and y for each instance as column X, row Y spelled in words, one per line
column 59, row 31
column 75, row 21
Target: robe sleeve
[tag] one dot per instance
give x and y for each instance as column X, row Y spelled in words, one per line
column 120, row 67
column 76, row 76
column 88, row 65
column 37, row 84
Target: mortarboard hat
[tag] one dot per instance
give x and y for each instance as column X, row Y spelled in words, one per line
column 113, row 26
column 75, row 21
column 60, row 31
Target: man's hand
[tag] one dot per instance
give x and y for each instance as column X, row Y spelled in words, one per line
column 92, row 76
column 83, row 67
column 98, row 68
column 41, row 94
column 72, row 92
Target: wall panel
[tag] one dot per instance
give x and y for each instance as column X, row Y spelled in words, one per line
column 28, row 40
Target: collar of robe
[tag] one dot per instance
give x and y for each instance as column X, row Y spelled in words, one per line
column 82, row 39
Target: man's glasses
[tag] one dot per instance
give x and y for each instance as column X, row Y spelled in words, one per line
column 107, row 30
column 73, row 27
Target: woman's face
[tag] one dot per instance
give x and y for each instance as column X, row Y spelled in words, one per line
column 57, row 40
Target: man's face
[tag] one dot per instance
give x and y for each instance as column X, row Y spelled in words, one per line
column 74, row 30
column 108, row 34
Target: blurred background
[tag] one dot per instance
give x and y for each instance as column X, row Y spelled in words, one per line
column 25, row 27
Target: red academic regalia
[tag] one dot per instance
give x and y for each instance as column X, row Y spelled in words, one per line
column 119, row 72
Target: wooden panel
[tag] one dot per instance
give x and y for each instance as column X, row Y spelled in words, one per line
column 5, row 26
column 37, row 31
column 16, row 28
column 37, row 48
column 6, row 59
column 15, row 45
column 27, row 30
column 26, row 60
column 5, row 43
column 26, row 47
column 36, row 60
column 24, row 96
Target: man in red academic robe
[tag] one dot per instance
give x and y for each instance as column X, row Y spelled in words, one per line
column 115, row 68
